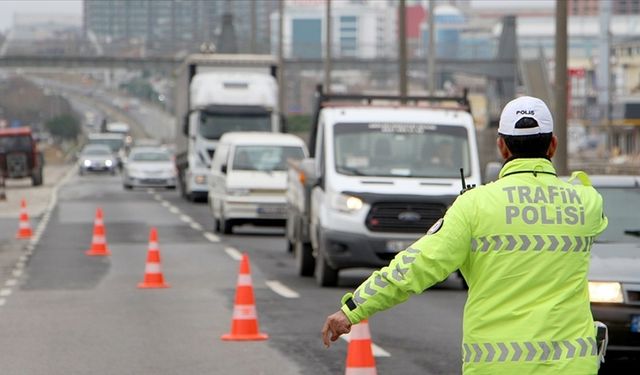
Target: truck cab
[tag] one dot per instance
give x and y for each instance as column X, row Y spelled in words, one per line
column 218, row 95
column 381, row 173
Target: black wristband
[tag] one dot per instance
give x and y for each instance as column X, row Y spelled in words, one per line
column 350, row 304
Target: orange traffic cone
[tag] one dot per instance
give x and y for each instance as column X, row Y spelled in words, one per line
column 152, row 271
column 24, row 228
column 99, row 239
column 244, row 324
column 359, row 353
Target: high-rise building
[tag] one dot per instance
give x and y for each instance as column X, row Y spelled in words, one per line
column 591, row 7
column 177, row 25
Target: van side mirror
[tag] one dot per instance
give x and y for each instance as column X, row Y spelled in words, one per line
column 185, row 125
column 308, row 167
column 223, row 169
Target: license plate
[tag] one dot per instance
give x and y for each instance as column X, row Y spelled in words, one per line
column 270, row 210
column 635, row 323
column 397, row 246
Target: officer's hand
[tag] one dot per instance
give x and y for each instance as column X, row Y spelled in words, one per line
column 335, row 325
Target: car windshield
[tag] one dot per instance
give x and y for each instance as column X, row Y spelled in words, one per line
column 15, row 143
column 622, row 207
column 401, row 149
column 114, row 144
column 96, row 151
column 265, row 158
column 213, row 125
column 150, row 156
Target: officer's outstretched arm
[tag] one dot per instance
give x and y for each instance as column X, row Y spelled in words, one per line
column 426, row 262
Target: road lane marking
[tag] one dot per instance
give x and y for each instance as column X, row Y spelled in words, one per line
column 174, row 210
column 11, row 282
column 157, row 197
column 186, row 218
column 282, row 289
column 17, row 273
column 233, row 253
column 211, row 237
column 5, row 292
column 196, row 226
column 165, row 204
column 2, row 301
column 377, row 351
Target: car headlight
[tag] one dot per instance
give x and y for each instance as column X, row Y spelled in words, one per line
column 608, row 292
column 108, row 163
column 346, row 203
column 238, row 192
column 86, row 163
column 200, row 179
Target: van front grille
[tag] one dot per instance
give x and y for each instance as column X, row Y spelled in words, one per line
column 400, row 217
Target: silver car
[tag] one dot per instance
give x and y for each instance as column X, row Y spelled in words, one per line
column 97, row 158
column 149, row 167
column 614, row 278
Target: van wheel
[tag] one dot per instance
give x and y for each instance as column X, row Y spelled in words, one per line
column 305, row 262
column 226, row 226
column 325, row 275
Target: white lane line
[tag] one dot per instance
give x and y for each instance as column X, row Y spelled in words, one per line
column 186, row 218
column 157, row 197
column 17, row 273
column 211, row 237
column 165, row 204
column 233, row 253
column 196, row 226
column 174, row 210
column 5, row 292
column 20, row 265
column 282, row 289
column 11, row 282
column 377, row 351
column 2, row 301
column 24, row 257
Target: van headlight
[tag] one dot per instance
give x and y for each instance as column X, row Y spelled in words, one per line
column 200, row 179
column 108, row 163
column 346, row 203
column 607, row 292
column 86, row 163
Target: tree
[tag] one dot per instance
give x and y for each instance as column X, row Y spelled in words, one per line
column 65, row 127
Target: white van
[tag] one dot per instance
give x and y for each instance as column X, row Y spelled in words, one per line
column 248, row 178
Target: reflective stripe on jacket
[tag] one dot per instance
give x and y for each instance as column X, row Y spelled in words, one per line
column 523, row 246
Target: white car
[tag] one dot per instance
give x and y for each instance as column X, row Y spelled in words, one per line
column 149, row 167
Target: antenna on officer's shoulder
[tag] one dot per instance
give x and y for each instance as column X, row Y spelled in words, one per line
column 465, row 187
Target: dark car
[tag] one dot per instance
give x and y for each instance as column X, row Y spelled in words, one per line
column 19, row 155
column 614, row 277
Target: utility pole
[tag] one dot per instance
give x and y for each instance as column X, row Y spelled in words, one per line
column 253, row 26
column 327, row 53
column 432, row 50
column 560, row 127
column 603, row 73
column 281, row 106
column 402, row 48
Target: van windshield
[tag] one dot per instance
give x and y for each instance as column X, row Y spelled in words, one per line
column 401, row 149
column 265, row 158
column 214, row 125
column 15, row 143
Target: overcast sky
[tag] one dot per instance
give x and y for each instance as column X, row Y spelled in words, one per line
column 62, row 7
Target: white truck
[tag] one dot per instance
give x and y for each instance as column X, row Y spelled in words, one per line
column 219, row 93
column 381, row 171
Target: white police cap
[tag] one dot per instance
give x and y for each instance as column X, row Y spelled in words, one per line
column 525, row 106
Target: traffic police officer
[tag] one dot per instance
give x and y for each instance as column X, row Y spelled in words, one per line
column 522, row 244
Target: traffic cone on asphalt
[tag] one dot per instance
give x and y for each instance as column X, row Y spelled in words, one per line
column 153, row 271
column 359, row 353
column 24, row 227
column 99, row 238
column 244, row 324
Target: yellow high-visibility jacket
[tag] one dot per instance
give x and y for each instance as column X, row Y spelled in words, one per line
column 523, row 246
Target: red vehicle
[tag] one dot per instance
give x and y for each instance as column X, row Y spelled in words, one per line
column 19, row 155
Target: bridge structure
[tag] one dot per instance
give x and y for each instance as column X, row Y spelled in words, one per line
column 501, row 71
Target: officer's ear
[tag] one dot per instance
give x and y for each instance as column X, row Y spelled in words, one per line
column 553, row 146
column 502, row 147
